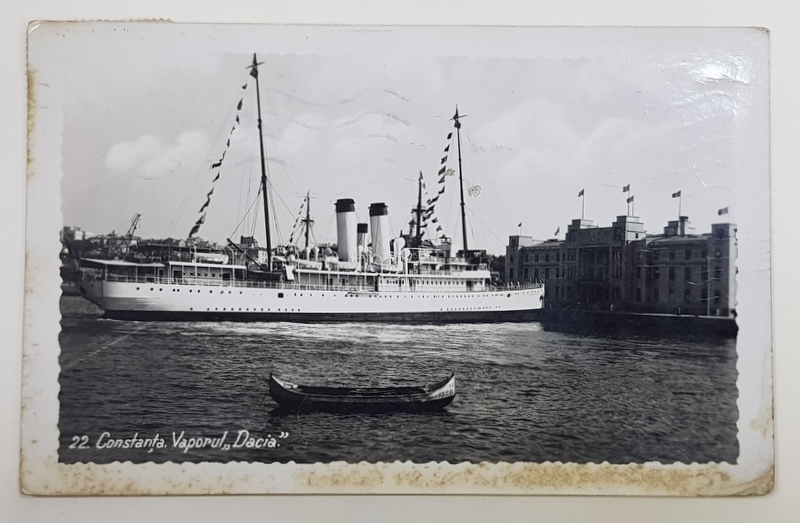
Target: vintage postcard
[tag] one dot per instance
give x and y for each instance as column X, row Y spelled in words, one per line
column 440, row 260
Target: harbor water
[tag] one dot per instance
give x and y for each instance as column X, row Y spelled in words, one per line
column 523, row 393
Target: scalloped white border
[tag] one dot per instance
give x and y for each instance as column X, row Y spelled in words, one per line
column 41, row 473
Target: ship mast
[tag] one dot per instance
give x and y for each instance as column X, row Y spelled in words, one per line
column 254, row 73
column 418, row 210
column 461, row 182
column 308, row 221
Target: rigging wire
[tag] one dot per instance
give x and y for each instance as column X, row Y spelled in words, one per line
column 200, row 171
column 275, row 215
column 504, row 219
column 254, row 221
column 330, row 224
column 484, row 225
column 246, row 184
column 255, row 202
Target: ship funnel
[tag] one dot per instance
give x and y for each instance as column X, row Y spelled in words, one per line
column 363, row 228
column 346, row 229
column 379, row 226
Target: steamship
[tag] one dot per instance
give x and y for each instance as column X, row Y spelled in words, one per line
column 370, row 276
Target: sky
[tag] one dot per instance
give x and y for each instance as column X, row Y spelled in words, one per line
column 358, row 113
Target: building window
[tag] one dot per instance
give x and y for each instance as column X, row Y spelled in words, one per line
column 525, row 273
column 536, row 274
column 671, row 295
column 511, row 274
column 536, row 258
column 656, row 272
column 639, row 255
column 688, row 254
column 638, row 294
column 687, row 295
column 639, row 272
column 671, row 254
column 557, row 272
column 717, row 253
column 657, row 254
column 617, row 293
column 526, row 258
column 717, row 272
column 672, row 272
column 558, row 256
column 547, row 274
column 704, row 295
column 547, row 257
column 687, row 274
column 656, row 295
column 704, row 253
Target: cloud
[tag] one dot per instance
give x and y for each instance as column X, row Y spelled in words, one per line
column 535, row 136
column 150, row 157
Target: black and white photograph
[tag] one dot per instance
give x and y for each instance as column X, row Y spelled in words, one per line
column 390, row 259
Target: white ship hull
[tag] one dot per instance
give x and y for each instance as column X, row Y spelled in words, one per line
column 240, row 302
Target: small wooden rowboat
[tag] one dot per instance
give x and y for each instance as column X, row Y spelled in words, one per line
column 427, row 398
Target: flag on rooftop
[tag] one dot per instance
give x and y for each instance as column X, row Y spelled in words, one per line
column 676, row 194
column 722, row 211
column 627, row 188
column 580, row 193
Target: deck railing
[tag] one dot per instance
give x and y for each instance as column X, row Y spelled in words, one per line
column 219, row 282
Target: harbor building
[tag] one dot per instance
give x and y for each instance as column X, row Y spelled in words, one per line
column 622, row 268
